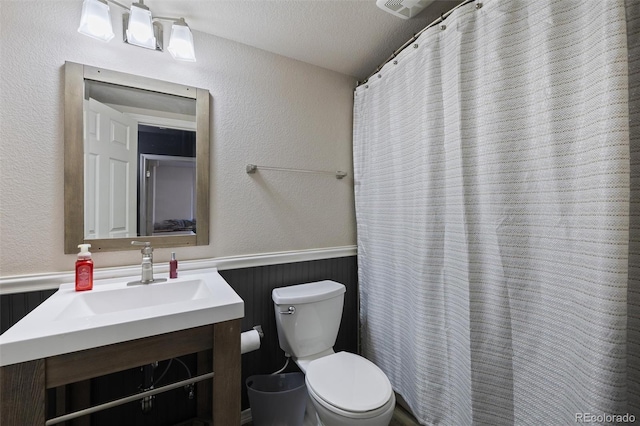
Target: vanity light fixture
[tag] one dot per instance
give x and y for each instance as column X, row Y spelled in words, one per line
column 139, row 27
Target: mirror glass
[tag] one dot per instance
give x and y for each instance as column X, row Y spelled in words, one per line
column 139, row 170
column 142, row 159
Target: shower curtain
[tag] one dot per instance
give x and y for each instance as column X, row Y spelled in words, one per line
column 492, row 182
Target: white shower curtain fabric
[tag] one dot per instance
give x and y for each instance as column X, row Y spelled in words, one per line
column 633, row 290
column 492, row 185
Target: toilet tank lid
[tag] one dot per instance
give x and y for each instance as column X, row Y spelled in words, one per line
column 307, row 293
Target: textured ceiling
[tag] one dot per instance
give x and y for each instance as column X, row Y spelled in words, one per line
column 352, row 37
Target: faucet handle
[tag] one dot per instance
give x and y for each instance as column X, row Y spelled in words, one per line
column 147, row 249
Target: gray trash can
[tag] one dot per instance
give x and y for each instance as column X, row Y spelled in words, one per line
column 277, row 400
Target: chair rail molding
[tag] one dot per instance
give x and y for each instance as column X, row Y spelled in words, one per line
column 48, row 281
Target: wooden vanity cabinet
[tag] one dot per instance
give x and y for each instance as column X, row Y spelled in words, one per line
column 23, row 386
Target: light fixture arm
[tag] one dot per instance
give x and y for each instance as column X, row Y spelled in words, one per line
column 162, row 18
column 118, row 4
column 166, row 18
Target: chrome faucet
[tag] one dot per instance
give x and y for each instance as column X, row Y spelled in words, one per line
column 147, row 264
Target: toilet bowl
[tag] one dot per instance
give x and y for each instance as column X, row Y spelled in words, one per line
column 345, row 389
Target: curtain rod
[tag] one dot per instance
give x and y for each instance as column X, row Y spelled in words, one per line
column 415, row 37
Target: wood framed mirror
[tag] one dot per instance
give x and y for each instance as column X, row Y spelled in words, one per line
column 128, row 193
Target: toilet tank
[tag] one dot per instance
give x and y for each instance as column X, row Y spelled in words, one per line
column 308, row 316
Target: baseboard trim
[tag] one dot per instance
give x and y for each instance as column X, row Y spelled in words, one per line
column 49, row 281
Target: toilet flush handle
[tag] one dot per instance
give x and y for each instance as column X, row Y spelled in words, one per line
column 290, row 311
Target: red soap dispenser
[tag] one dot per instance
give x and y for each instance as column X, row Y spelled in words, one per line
column 84, row 269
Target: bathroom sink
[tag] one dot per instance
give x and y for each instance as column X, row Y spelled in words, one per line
column 114, row 312
column 118, row 298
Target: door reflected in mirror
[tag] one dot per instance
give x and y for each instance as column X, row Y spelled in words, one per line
column 167, row 197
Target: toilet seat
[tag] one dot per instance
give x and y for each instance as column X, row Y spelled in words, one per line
column 349, row 384
column 367, row 415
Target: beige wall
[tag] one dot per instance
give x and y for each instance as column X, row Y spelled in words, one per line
column 266, row 109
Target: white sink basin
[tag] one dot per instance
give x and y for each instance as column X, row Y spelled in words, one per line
column 118, row 298
column 113, row 312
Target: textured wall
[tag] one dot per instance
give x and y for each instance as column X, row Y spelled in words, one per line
column 266, row 109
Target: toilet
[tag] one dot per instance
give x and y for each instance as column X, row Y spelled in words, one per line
column 345, row 389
